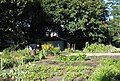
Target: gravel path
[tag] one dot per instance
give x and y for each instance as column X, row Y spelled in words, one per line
column 102, row 54
column 98, row 54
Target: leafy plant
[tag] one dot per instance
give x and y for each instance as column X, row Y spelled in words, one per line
column 7, row 61
column 108, row 70
column 33, row 71
column 19, row 57
column 49, row 49
column 47, row 46
column 72, row 57
column 4, row 74
column 41, row 54
column 9, row 49
column 56, row 51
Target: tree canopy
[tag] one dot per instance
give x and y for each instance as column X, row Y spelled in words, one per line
column 114, row 24
column 76, row 14
column 87, row 16
column 28, row 20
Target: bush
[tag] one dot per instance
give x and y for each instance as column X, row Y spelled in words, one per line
column 9, row 49
column 8, row 63
column 15, row 58
column 7, row 60
column 19, row 57
column 109, row 70
column 100, row 48
column 41, row 54
column 72, row 58
column 47, row 46
column 56, row 51
column 49, row 49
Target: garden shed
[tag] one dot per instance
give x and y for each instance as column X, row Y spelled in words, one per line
column 55, row 41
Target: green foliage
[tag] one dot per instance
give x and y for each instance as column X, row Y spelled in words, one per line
column 49, row 49
column 7, row 61
column 36, row 72
column 19, row 57
column 114, row 24
column 108, row 71
column 29, row 58
column 100, row 48
column 56, row 51
column 74, row 14
column 22, row 19
column 4, row 74
column 9, row 19
column 41, row 54
column 79, row 57
column 79, row 15
column 9, row 49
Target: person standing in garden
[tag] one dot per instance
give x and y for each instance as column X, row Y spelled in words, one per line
column 32, row 48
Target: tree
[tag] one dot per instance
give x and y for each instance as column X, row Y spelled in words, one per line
column 86, row 16
column 21, row 18
column 9, row 22
column 21, row 21
column 114, row 23
column 76, row 20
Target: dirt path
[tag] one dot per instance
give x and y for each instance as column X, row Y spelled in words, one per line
column 98, row 54
column 102, row 54
column 0, row 53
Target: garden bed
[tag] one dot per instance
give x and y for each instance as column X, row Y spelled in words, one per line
column 54, row 65
column 51, row 69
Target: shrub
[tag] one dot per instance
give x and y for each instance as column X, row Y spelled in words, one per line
column 49, row 49
column 107, row 71
column 28, row 59
column 15, row 58
column 47, row 46
column 56, row 51
column 72, row 57
column 9, row 49
column 7, row 61
column 100, row 48
column 4, row 74
column 41, row 54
